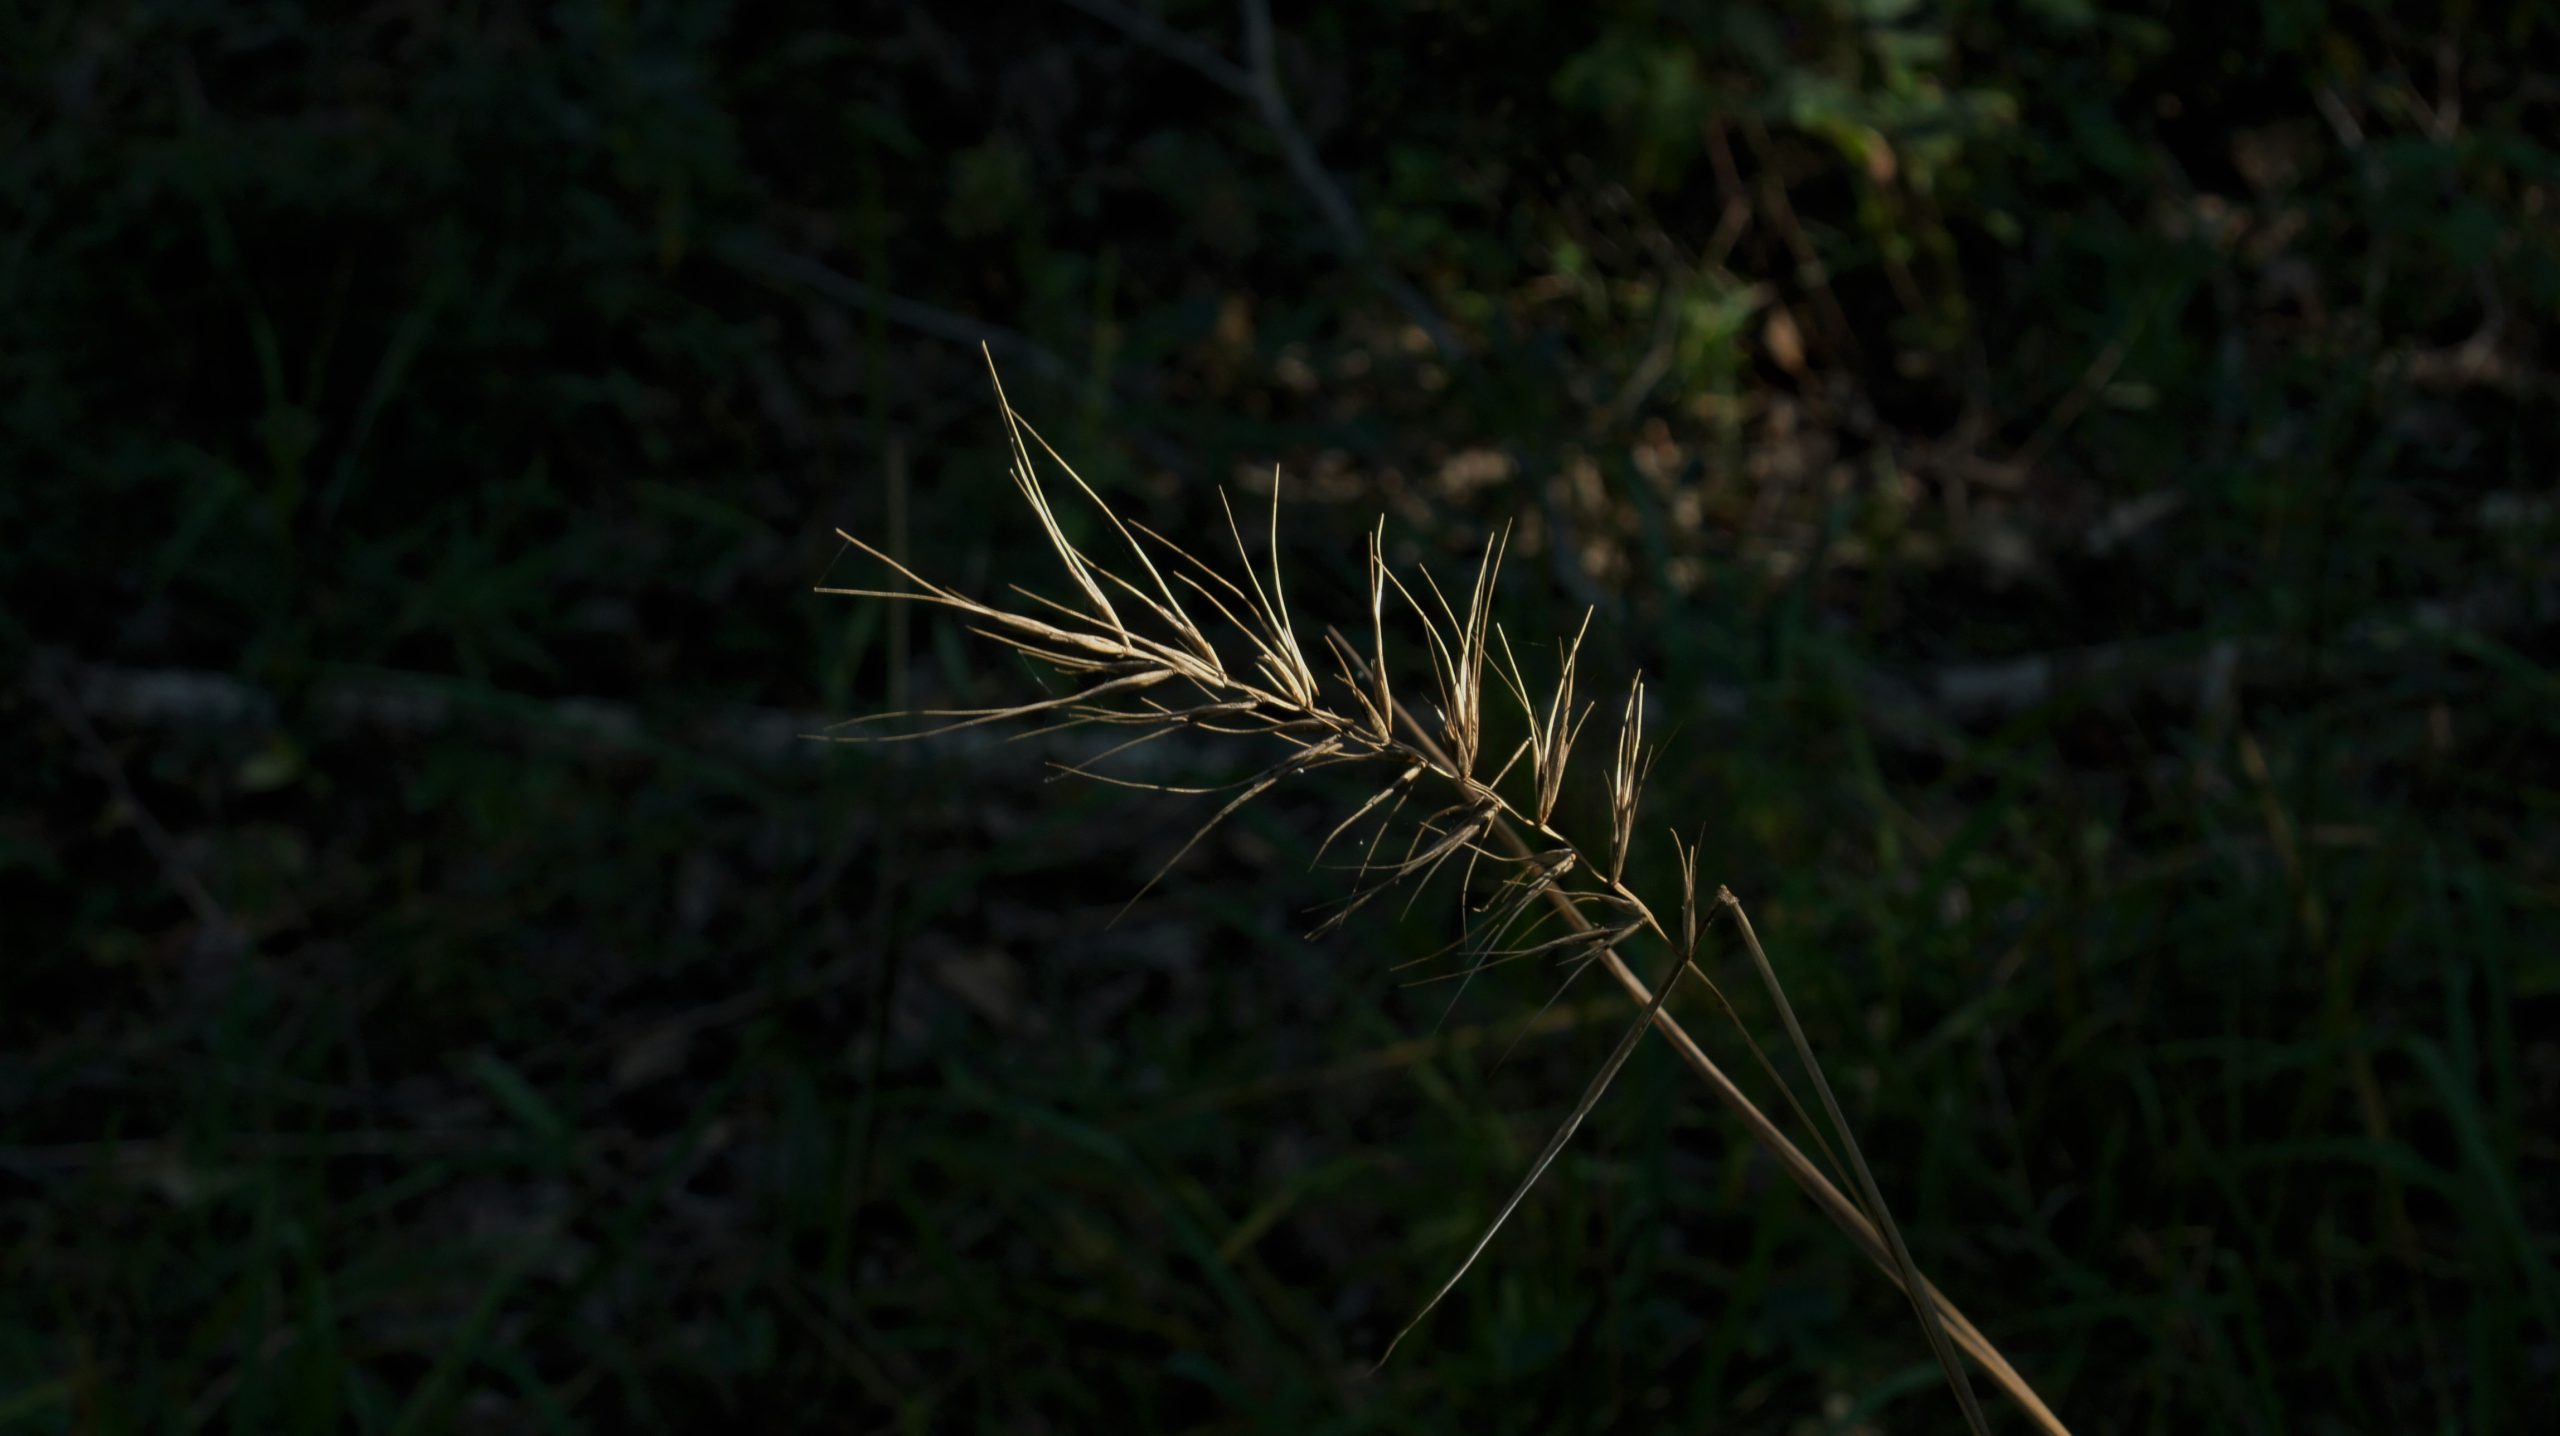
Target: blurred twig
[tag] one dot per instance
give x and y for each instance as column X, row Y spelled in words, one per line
column 1257, row 83
column 421, row 705
column 761, row 257
column 1911, row 710
column 218, row 934
column 758, row 255
column 2093, row 381
column 1973, row 691
column 167, row 1159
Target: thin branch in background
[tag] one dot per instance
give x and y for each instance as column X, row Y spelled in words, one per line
column 218, row 935
column 1156, row 35
column 1257, row 83
column 2093, row 381
column 1914, row 712
column 758, row 255
column 901, row 629
column 1655, row 364
column 419, row 706
column 1840, row 334
column 1675, row 279
column 888, row 955
column 1972, row 692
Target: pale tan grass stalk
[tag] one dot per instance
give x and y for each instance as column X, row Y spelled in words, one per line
column 1135, row 656
column 1908, row 1274
column 1826, row 1195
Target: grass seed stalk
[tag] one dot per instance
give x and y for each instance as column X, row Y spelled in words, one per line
column 1135, row 655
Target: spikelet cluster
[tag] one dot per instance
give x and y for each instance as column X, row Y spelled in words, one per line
column 1137, row 655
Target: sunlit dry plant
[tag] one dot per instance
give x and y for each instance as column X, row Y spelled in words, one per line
column 1137, row 656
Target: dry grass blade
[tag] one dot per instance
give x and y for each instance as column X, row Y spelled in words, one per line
column 1397, row 790
column 1691, row 924
column 1268, row 779
column 1874, row 1197
column 980, row 717
column 1419, row 862
column 1555, row 1144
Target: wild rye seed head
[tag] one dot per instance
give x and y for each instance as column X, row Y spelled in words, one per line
column 1158, row 670
column 1144, row 662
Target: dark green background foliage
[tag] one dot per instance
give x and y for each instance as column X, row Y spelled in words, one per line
column 537, row 1052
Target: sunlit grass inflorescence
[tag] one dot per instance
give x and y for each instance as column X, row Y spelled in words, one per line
column 1136, row 656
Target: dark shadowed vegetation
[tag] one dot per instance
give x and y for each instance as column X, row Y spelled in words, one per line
column 2075, row 480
